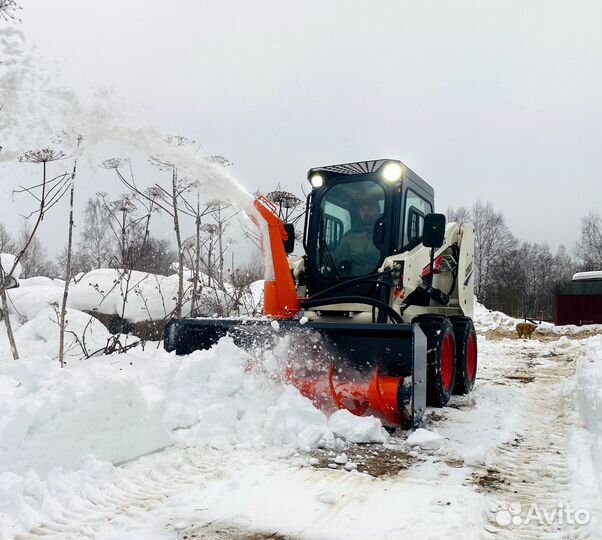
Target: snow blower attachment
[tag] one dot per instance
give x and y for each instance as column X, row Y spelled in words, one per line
column 385, row 290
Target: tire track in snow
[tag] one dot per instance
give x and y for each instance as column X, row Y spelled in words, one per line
column 534, row 468
column 137, row 489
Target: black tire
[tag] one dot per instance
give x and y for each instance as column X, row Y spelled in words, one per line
column 466, row 354
column 440, row 358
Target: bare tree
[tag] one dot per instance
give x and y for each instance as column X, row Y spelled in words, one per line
column 165, row 199
column 589, row 246
column 172, row 198
column 95, row 248
column 153, row 256
column 34, row 261
column 289, row 208
column 206, row 250
column 7, row 243
column 460, row 215
column 493, row 240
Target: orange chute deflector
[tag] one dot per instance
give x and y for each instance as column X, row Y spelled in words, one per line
column 279, row 294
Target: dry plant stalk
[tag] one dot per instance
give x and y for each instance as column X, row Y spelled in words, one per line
column 47, row 193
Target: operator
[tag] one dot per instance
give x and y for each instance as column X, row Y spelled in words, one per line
column 356, row 249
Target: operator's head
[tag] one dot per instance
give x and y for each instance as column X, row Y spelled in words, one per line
column 369, row 211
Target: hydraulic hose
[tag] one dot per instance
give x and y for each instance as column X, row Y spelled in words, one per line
column 370, row 278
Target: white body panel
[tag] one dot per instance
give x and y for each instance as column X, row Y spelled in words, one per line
column 415, row 265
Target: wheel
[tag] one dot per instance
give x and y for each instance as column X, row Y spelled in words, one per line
column 466, row 354
column 440, row 358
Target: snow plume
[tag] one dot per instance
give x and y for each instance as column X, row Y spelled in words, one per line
column 36, row 112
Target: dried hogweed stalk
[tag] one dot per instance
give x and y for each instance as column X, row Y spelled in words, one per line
column 113, row 163
column 8, row 9
column 43, row 155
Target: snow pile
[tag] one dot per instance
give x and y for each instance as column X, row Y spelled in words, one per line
column 84, row 335
column 569, row 329
column 41, row 281
column 237, row 406
column 29, row 299
column 486, row 319
column 589, row 395
column 51, row 417
column 122, row 406
column 135, row 296
column 142, row 296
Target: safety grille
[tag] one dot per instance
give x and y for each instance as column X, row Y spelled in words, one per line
column 353, row 168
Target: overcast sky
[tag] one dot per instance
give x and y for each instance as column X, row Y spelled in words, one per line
column 493, row 100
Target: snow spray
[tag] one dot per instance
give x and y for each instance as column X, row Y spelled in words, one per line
column 34, row 110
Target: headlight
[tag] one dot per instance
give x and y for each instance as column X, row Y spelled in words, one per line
column 317, row 180
column 392, row 172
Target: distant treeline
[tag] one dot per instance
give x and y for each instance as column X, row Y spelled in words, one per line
column 518, row 277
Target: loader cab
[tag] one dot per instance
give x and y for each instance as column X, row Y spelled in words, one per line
column 357, row 215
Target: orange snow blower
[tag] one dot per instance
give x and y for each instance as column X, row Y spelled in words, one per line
column 376, row 316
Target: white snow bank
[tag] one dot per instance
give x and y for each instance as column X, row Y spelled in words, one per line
column 28, row 301
column 83, row 334
column 53, row 417
column 121, row 406
column 41, row 281
column 138, row 296
column 486, row 319
column 141, row 296
column 586, row 444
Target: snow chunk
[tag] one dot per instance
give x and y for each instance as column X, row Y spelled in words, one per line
column 341, row 459
column 425, row 439
column 357, row 429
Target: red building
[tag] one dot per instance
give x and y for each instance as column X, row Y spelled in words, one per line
column 580, row 301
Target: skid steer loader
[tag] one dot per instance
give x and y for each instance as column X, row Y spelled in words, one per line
column 376, row 316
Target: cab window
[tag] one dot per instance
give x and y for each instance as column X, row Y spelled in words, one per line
column 415, row 209
column 348, row 213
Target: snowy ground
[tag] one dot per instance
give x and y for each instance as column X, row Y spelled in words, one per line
column 153, row 446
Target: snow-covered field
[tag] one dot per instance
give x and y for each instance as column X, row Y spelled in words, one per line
column 150, row 445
